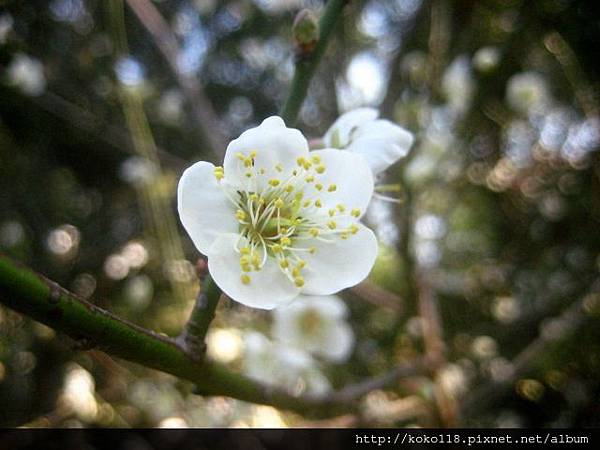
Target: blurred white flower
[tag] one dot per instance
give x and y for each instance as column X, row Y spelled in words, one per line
column 27, row 74
column 316, row 325
column 138, row 171
column 279, row 365
column 486, row 59
column 276, row 220
column 458, row 85
column 170, row 106
column 6, row 23
column 379, row 141
column 527, row 91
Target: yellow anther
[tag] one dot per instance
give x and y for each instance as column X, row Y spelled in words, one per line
column 332, row 188
column 256, row 260
column 248, row 174
column 344, row 235
column 252, row 154
column 332, row 224
column 316, row 159
column 285, row 241
column 299, row 195
column 310, row 179
column 253, row 197
column 295, row 272
column 353, row 229
column 318, row 203
column 274, row 182
column 306, row 204
column 355, row 212
column 307, row 165
column 248, row 162
column 314, row 232
column 219, row 173
column 278, row 203
column 276, row 248
column 245, row 279
column 245, row 251
column 261, row 201
column 244, row 260
column 246, row 268
column 299, row 281
column 284, row 264
column 300, row 161
column 240, row 156
column 320, row 168
column 331, row 212
column 289, row 188
column 318, row 186
column 240, row 215
column 341, row 208
column 278, row 167
column 312, row 250
column 301, row 264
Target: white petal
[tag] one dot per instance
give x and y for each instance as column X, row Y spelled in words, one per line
column 268, row 288
column 339, row 264
column 342, row 128
column 338, row 342
column 273, row 143
column 331, row 338
column 203, row 208
column 381, row 143
column 351, row 176
column 330, row 306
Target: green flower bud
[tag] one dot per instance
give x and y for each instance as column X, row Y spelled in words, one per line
column 305, row 31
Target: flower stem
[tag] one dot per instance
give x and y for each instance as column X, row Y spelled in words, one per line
column 307, row 62
column 193, row 335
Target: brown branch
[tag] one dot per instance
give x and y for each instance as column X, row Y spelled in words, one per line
column 112, row 135
column 567, row 323
column 378, row 296
column 206, row 121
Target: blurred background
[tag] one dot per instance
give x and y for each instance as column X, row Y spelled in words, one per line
column 489, row 229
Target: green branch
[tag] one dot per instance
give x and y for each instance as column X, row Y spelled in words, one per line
column 45, row 301
column 307, row 62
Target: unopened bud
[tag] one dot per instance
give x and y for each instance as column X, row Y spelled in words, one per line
column 305, row 31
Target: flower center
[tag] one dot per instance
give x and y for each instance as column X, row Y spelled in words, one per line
column 280, row 216
column 309, row 322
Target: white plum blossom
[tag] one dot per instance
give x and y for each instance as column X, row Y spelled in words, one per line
column 316, row 325
column 277, row 221
column 527, row 91
column 379, row 141
column 27, row 74
column 277, row 364
column 458, row 85
column 486, row 59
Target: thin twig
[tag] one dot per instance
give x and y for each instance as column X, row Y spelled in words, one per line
column 566, row 324
column 113, row 135
column 206, row 121
column 378, row 296
column 435, row 348
column 194, row 333
column 307, row 62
